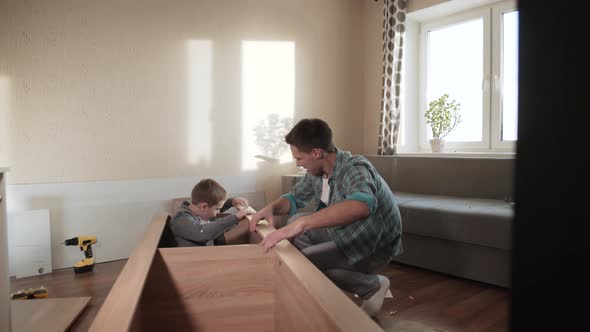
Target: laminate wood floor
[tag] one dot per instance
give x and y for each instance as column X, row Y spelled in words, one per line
column 428, row 301
column 422, row 300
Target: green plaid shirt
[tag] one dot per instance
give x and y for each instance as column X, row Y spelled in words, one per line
column 355, row 178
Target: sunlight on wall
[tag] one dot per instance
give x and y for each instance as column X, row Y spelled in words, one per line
column 5, row 147
column 268, row 85
column 200, row 81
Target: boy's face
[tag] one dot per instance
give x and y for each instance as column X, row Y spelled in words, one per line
column 211, row 211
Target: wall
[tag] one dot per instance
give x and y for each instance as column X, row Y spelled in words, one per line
column 102, row 90
column 109, row 109
column 414, row 5
column 372, row 73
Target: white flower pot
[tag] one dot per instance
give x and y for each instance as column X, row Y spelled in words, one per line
column 437, row 144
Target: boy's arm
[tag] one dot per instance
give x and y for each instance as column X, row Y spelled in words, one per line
column 228, row 204
column 190, row 229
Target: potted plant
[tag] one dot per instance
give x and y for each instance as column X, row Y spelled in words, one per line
column 443, row 117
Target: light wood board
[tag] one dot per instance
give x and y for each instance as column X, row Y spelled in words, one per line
column 46, row 314
column 225, row 288
column 118, row 309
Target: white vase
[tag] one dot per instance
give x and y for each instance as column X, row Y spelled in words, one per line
column 437, row 144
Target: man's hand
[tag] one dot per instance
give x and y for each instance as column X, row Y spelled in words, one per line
column 242, row 213
column 265, row 213
column 288, row 232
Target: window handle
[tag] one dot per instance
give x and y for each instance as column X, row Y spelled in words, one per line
column 485, row 83
column 497, row 82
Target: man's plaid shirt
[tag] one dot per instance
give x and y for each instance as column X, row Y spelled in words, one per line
column 355, row 178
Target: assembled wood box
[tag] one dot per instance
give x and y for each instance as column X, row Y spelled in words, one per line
column 225, row 288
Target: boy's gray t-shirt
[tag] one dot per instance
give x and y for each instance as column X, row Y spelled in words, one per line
column 190, row 230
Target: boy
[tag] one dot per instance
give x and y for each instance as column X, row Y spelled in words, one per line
column 192, row 224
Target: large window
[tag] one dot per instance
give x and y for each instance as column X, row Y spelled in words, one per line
column 473, row 56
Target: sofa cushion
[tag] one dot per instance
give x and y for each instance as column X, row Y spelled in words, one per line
column 489, row 178
column 479, row 221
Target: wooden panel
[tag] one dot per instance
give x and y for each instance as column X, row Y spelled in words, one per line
column 294, row 302
column 301, row 285
column 226, row 288
column 119, row 307
column 46, row 314
column 239, row 234
column 29, row 243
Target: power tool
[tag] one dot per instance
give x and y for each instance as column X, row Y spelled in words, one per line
column 84, row 242
column 29, row 294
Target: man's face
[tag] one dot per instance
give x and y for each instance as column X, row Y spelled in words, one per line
column 311, row 161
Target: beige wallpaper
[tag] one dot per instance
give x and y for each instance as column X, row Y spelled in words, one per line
column 108, row 90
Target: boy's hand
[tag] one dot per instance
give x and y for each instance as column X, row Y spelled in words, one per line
column 237, row 201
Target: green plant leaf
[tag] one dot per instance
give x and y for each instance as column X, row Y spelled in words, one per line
column 442, row 116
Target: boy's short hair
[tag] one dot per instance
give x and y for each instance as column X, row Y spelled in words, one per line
column 309, row 134
column 208, row 191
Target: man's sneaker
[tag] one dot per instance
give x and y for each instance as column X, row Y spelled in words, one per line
column 373, row 305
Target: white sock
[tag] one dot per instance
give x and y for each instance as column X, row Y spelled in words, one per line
column 373, row 305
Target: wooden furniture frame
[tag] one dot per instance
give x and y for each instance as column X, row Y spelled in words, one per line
column 225, row 288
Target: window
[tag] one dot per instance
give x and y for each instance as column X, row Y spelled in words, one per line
column 473, row 56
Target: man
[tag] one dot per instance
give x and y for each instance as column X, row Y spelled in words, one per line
column 356, row 228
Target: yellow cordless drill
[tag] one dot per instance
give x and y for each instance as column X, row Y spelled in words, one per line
column 84, row 242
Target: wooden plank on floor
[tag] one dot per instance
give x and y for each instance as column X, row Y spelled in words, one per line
column 55, row 314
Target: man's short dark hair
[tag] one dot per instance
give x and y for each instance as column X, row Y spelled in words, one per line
column 309, row 134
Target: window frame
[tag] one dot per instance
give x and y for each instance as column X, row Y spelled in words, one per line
column 497, row 11
column 491, row 84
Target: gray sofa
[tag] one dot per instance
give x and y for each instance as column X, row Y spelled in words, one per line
column 457, row 213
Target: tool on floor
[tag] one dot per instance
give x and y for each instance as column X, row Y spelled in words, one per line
column 30, row 294
column 84, row 242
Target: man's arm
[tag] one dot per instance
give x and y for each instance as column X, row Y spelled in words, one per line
column 280, row 206
column 342, row 213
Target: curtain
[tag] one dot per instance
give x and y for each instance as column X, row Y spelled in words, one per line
column 394, row 28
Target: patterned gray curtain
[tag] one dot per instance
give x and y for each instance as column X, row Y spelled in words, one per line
column 394, row 28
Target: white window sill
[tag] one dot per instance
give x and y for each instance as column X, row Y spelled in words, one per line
column 501, row 155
